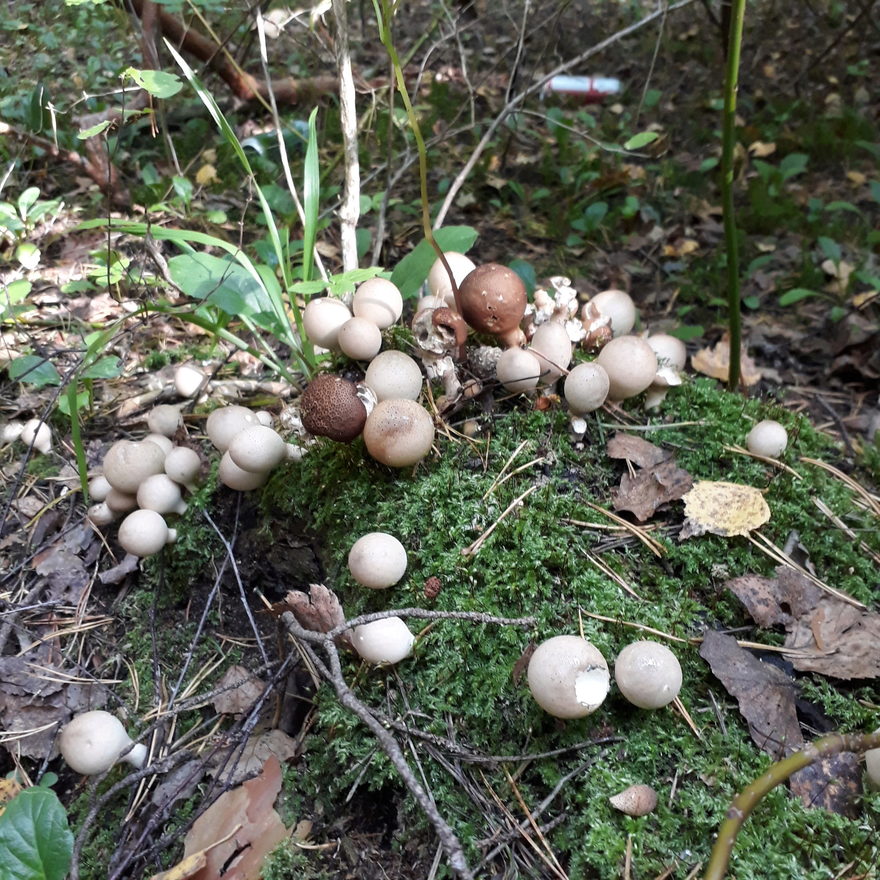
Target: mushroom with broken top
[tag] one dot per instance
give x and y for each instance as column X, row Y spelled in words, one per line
column 568, row 676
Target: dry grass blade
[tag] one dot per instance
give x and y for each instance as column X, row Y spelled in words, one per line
column 824, row 508
column 503, row 470
column 609, row 572
column 653, row 545
column 682, row 710
column 774, row 462
column 474, row 548
column 872, row 502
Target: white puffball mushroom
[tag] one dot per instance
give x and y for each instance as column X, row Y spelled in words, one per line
column 227, row 421
column 183, row 465
column 586, row 388
column 234, row 477
column 518, row 370
column 120, row 502
column 162, row 494
column 188, row 380
column 872, row 767
column 568, row 676
column 394, row 375
column 359, row 338
column 99, row 488
column 671, row 358
column 631, row 366
column 648, row 674
column 322, row 317
column 164, row 443
column 257, row 449
column 100, row 515
column 383, row 641
column 767, row 438
column 92, row 742
column 144, row 532
column 377, row 301
column 11, row 431
column 164, row 419
column 129, row 462
column 618, row 306
column 399, row 433
column 36, row 433
column 264, row 417
column 377, row 560
column 551, row 344
column 438, row 278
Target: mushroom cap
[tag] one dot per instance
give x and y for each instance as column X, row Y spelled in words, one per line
column 377, row 560
column 92, row 742
column 648, row 674
column 438, row 277
column 129, row 462
column 518, row 370
column 143, row 533
column 568, row 676
column 586, row 388
column 120, row 502
column 631, row 366
column 330, row 407
column 234, row 477
column 767, row 438
column 322, row 317
column 359, row 338
column 99, row 488
column 183, row 465
column 160, row 493
column 188, row 380
column 551, row 344
column 872, row 768
column 493, row 299
column 100, row 514
column 394, row 375
column 399, row 433
column 669, row 350
column 164, row 443
column 379, row 302
column 224, row 423
column 257, row 449
column 164, row 419
column 383, row 641
column 38, row 433
column 618, row 306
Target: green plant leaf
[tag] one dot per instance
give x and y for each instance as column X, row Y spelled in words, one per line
column 28, row 255
column 34, row 370
column 311, row 197
column 526, row 272
column 85, row 133
column 793, row 164
column 108, row 367
column 219, row 282
column 35, row 840
column 830, row 248
column 796, row 295
column 842, row 206
column 642, row 139
column 156, row 82
column 411, row 272
column 27, row 200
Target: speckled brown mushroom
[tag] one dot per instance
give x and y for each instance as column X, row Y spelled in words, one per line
column 493, row 300
column 330, row 407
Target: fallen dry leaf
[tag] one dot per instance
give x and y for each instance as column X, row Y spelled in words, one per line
column 833, row 783
column 725, row 509
column 637, row 450
column 9, row 788
column 715, row 362
column 650, row 488
column 232, row 765
column 241, row 689
column 186, row 867
column 775, row 601
column 319, row 610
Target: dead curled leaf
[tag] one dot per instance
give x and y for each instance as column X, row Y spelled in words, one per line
column 715, row 362
column 834, row 783
column 240, row 690
column 725, row 509
column 318, row 610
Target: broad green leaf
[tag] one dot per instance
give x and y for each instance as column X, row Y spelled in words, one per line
column 34, row 370
column 642, row 139
column 108, row 367
column 526, row 272
column 15, row 292
column 156, row 82
column 411, row 272
column 685, row 332
column 793, row 164
column 35, row 840
column 27, row 200
column 875, row 190
column 28, row 255
column 182, row 187
column 842, row 206
column 796, row 295
column 85, row 133
column 80, row 401
column 830, row 248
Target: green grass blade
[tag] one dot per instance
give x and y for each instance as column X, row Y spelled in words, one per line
column 82, row 466
column 311, row 197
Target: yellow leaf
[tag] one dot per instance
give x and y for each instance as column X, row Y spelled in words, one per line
column 715, row 362
column 186, row 867
column 207, row 174
column 9, row 788
column 762, row 148
column 856, row 177
column 725, row 509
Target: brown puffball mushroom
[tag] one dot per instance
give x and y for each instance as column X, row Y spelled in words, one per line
column 518, row 370
column 648, row 674
column 551, row 344
column 164, row 419
column 38, row 434
column 767, row 438
column 438, row 278
column 92, row 742
column 399, row 433
column 162, row 494
column 568, row 676
column 359, row 338
column 224, row 423
column 330, row 407
column 322, row 317
column 493, row 300
column 233, row 477
column 144, row 532
column 394, row 375
column 378, row 301
column 183, row 465
column 129, row 462
column 618, row 306
column 383, row 641
column 586, row 388
column 377, row 560
column 631, row 366
column 188, row 380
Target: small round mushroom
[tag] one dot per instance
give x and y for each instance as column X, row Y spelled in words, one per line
column 872, row 768
column 568, row 676
column 518, row 370
column 120, row 502
column 631, row 366
column 258, row 449
column 552, row 346
column 183, row 465
column 438, row 278
column 164, row 419
column 227, row 421
column 162, row 494
column 378, row 301
column 586, row 388
column 11, row 431
column 377, row 560
column 671, row 357
column 234, row 477
column 164, row 443
column 188, row 380
column 37, row 433
column 100, row 515
column 767, row 438
column 330, row 407
column 144, row 532
column 493, row 300
column 129, row 462
column 399, row 433
column 322, row 317
column 99, row 488
column 394, row 375
column 92, row 742
column 383, row 642
column 648, row 674
column 619, row 307
column 359, row 338
column 637, row 800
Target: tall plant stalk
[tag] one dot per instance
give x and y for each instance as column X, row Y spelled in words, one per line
column 728, row 142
